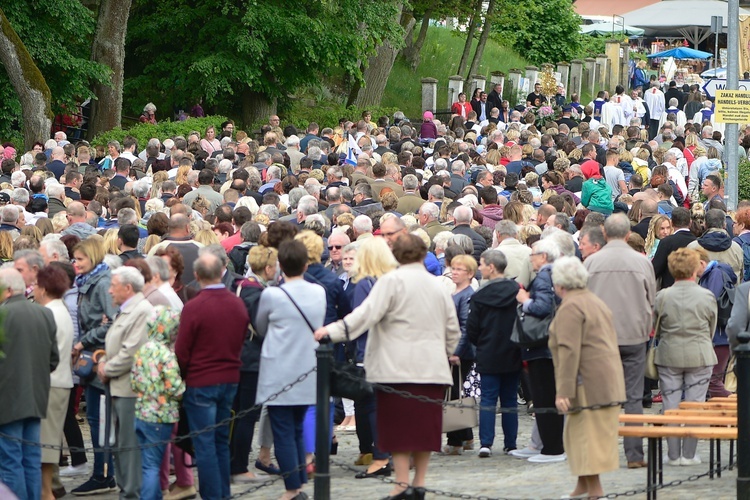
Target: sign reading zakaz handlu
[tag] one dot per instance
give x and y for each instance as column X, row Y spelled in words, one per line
column 732, row 106
column 712, row 86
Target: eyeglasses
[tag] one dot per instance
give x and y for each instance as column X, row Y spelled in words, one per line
column 335, row 247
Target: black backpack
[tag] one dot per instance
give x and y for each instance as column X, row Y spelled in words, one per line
column 725, row 301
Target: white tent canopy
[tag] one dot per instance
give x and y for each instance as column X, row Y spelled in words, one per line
column 690, row 19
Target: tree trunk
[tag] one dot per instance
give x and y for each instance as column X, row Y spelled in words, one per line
column 482, row 41
column 109, row 49
column 377, row 71
column 28, row 83
column 412, row 50
column 475, row 16
column 256, row 107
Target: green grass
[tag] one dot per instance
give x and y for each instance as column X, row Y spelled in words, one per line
column 440, row 56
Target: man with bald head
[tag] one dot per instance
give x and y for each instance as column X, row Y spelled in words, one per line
column 78, row 221
column 179, row 237
column 649, row 208
column 56, row 165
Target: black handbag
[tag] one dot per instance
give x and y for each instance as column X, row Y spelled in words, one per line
column 347, row 379
column 529, row 331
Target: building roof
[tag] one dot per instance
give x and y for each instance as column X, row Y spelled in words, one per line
column 609, row 7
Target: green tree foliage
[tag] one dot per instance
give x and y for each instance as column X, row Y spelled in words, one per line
column 142, row 132
column 542, row 31
column 57, row 34
column 178, row 52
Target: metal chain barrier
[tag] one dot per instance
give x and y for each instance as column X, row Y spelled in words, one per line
column 628, row 493
column 442, row 402
column 266, row 483
column 177, row 439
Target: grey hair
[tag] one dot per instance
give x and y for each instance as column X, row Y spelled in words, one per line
column 32, row 258
column 10, row 214
column 130, row 276
column 273, row 172
column 548, row 247
column 457, row 166
column 250, row 231
column 217, row 251
column 506, row 228
column 56, row 190
column 463, row 215
column 313, row 188
column 410, row 182
column 495, row 258
column 295, row 195
column 569, row 273
column 362, row 224
column 442, row 239
column 436, row 192
column 430, row 209
column 308, row 205
column 464, row 242
column 271, row 211
column 441, row 164
column 10, row 279
column 140, row 188
column 17, row 179
column 55, row 247
column 20, row 196
column 126, row 216
column 616, row 227
column 159, row 267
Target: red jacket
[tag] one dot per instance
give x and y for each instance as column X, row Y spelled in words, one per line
column 213, row 326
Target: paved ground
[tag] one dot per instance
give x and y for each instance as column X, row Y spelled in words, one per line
column 503, row 476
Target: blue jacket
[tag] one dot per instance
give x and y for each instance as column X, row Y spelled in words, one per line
column 337, row 305
column 713, row 280
column 542, row 303
column 464, row 349
column 361, row 290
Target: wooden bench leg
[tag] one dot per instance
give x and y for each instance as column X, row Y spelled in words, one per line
column 718, row 458
column 731, row 454
column 660, row 462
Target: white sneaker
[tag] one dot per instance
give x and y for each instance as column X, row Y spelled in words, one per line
column 78, row 470
column 525, row 453
column 485, row 452
column 696, row 460
column 547, row 459
column 675, row 462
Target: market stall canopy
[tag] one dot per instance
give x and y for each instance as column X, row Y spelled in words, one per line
column 683, row 53
column 690, row 19
column 608, row 28
column 608, row 7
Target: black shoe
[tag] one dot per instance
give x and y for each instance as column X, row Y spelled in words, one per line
column 419, row 493
column 407, row 494
column 335, row 448
column 384, row 471
column 301, row 496
column 59, row 492
column 96, row 486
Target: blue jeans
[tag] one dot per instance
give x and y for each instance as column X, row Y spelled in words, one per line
column 21, row 464
column 92, row 415
column 504, row 386
column 207, row 406
column 151, row 457
column 289, row 443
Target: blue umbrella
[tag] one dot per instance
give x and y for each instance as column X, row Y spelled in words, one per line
column 683, row 53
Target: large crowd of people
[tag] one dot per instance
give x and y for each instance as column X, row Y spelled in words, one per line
column 165, row 285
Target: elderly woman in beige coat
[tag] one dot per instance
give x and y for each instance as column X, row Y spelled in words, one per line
column 413, row 329
column 588, row 371
column 685, row 324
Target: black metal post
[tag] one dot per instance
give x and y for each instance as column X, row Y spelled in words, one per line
column 742, row 372
column 323, row 421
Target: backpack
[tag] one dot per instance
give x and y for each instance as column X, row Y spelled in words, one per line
column 745, row 244
column 725, row 302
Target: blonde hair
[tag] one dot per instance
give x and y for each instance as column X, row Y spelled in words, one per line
column 182, row 173
column 373, row 260
column 6, row 246
column 466, row 260
column 151, row 242
column 59, row 222
column 313, row 243
column 528, row 230
column 259, row 257
column 92, row 248
column 653, row 228
column 206, row 236
column 683, row 262
column 110, row 242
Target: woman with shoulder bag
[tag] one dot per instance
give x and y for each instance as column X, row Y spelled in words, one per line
column 463, row 268
column 686, row 316
column 96, row 311
column 540, row 301
column 372, row 260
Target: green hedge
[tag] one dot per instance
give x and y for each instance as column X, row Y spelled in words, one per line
column 327, row 113
column 743, row 187
column 162, row 130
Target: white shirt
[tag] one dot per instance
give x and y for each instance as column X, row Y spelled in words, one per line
column 655, row 101
column 174, row 301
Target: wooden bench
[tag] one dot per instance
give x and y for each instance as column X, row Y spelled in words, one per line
column 704, row 413
column 699, row 405
column 728, row 399
column 655, row 430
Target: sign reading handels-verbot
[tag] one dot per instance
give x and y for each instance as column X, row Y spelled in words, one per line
column 732, row 106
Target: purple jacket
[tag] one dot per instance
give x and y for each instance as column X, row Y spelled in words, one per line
column 560, row 189
column 491, row 215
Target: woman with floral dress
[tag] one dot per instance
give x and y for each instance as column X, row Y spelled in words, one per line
column 158, row 386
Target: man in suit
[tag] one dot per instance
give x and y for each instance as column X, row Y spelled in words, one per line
column 495, row 98
column 122, row 169
column 124, row 337
column 681, row 238
column 57, row 162
column 649, row 208
column 458, row 176
column 463, row 216
column 411, row 200
column 481, row 107
column 31, row 355
column 228, row 278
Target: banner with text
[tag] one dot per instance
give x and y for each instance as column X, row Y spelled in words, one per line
column 732, row 106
